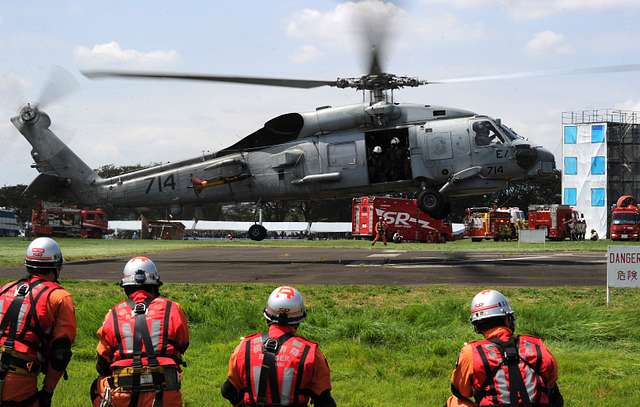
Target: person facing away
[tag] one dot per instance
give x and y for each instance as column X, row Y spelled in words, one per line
column 37, row 328
column 502, row 369
column 141, row 344
column 279, row 367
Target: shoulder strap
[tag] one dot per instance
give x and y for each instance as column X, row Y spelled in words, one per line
column 511, row 357
column 12, row 316
column 165, row 327
column 141, row 333
column 116, row 330
column 300, row 373
column 270, row 348
column 488, row 379
column 247, row 368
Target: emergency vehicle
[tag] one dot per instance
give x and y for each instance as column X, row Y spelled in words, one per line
column 556, row 219
column 493, row 223
column 401, row 215
column 625, row 219
column 9, row 223
column 50, row 219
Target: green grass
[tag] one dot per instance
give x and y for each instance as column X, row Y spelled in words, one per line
column 387, row 346
column 12, row 249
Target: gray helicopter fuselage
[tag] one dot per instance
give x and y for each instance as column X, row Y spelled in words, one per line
column 328, row 153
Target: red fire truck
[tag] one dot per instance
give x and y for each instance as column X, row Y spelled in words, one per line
column 401, row 215
column 625, row 219
column 557, row 220
column 492, row 223
column 50, row 219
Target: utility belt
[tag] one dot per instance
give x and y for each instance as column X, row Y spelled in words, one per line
column 15, row 362
column 151, row 378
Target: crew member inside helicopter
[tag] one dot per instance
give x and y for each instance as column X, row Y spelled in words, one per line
column 377, row 171
column 486, row 134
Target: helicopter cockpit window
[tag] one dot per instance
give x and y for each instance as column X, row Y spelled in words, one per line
column 486, row 134
column 511, row 134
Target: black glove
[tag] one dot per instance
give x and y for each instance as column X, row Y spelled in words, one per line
column 44, row 398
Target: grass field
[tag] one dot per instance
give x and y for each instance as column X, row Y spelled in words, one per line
column 388, row 346
column 12, row 249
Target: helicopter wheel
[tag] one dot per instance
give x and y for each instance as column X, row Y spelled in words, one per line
column 433, row 203
column 257, row 232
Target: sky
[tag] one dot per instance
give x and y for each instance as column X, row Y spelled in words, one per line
column 129, row 122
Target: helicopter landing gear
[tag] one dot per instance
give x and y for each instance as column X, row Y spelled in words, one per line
column 433, row 203
column 257, row 232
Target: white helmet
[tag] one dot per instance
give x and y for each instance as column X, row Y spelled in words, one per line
column 285, row 307
column 43, row 253
column 395, row 140
column 377, row 149
column 140, row 271
column 489, row 304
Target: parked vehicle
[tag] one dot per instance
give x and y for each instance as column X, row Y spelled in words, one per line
column 401, row 215
column 559, row 221
column 625, row 219
column 51, row 219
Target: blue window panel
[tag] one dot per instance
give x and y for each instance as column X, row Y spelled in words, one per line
column 597, row 196
column 597, row 133
column 571, row 165
column 598, row 165
column 570, row 196
column 570, row 134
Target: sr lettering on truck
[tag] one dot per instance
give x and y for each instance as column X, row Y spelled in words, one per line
column 401, row 219
column 169, row 182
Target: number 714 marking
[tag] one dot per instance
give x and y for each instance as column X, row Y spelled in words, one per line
column 169, row 182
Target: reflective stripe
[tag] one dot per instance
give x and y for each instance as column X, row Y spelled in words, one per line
column 155, row 333
column 20, row 322
column 127, row 336
column 285, row 390
column 502, row 387
column 256, row 378
column 530, row 382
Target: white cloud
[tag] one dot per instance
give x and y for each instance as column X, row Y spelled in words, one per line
column 112, row 54
column 532, row 9
column 306, row 53
column 342, row 27
column 548, row 43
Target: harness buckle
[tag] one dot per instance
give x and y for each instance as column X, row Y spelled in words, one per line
column 140, row 308
column 510, row 354
column 22, row 290
column 270, row 345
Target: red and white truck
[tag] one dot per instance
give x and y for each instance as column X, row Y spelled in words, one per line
column 560, row 221
column 401, row 215
column 50, row 219
column 625, row 219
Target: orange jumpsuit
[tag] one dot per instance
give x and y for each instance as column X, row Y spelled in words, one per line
column 107, row 346
column 319, row 382
column 61, row 311
column 462, row 376
column 381, row 232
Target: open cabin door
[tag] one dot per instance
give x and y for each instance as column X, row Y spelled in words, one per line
column 388, row 155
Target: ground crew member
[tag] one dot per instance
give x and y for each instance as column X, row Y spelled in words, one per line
column 502, row 369
column 381, row 231
column 37, row 328
column 279, row 368
column 142, row 340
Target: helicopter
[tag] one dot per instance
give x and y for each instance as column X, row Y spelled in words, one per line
column 376, row 146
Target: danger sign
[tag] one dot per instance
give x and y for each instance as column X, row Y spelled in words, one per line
column 623, row 267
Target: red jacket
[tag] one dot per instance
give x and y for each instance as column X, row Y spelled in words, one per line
column 166, row 322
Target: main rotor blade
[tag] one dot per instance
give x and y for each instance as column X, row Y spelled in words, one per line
column 59, row 84
column 552, row 72
column 250, row 80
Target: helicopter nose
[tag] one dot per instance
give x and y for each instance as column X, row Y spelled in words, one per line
column 545, row 164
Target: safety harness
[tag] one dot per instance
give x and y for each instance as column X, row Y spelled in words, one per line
column 143, row 377
column 518, row 394
column 10, row 360
column 269, row 371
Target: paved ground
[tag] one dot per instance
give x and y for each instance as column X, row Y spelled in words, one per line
column 353, row 266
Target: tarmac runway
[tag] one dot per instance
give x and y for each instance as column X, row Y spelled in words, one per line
column 356, row 266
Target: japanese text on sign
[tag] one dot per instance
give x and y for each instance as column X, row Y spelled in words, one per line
column 623, row 266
